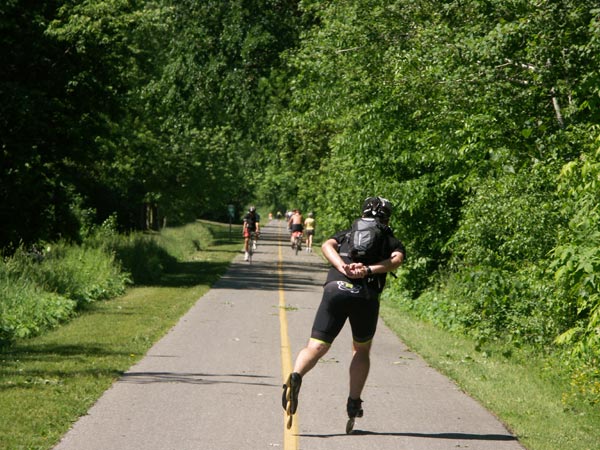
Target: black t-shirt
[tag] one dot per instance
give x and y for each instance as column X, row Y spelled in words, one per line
column 376, row 281
column 251, row 220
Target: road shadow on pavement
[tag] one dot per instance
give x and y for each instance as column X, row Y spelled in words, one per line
column 195, row 378
column 264, row 276
column 457, row 436
column 192, row 273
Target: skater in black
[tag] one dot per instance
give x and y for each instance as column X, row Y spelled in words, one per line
column 351, row 291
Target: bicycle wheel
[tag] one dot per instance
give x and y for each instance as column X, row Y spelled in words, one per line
column 250, row 249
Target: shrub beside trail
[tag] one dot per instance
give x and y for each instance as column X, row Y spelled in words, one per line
column 39, row 289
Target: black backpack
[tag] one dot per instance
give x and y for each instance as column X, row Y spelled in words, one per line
column 366, row 241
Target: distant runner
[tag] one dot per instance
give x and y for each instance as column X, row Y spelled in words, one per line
column 309, row 229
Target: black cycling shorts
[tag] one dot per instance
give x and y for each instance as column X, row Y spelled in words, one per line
column 344, row 300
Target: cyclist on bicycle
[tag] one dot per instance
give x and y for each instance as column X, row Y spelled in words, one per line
column 251, row 225
column 295, row 225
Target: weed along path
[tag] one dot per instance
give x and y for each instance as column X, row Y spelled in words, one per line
column 214, row 381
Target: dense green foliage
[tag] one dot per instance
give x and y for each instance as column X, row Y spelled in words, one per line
column 144, row 109
column 41, row 289
column 39, row 292
column 26, row 309
column 478, row 119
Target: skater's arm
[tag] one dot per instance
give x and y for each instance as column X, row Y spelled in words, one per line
column 330, row 251
column 387, row 265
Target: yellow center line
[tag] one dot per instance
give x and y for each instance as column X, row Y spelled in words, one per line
column 290, row 437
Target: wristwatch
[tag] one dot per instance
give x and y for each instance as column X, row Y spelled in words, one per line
column 369, row 271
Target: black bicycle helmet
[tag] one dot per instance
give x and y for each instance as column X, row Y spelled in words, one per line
column 377, row 207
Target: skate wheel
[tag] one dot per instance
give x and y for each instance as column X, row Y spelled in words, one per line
column 350, row 425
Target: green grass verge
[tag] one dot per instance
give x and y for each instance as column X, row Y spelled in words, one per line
column 525, row 392
column 47, row 382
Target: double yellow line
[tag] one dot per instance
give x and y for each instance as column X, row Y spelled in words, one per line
column 290, row 438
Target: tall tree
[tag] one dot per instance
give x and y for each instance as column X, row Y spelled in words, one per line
column 35, row 119
column 130, row 106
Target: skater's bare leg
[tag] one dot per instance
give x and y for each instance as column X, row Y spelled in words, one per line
column 310, row 355
column 359, row 368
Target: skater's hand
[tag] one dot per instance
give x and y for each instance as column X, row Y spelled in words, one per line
column 354, row 270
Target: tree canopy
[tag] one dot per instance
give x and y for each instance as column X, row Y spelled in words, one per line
column 117, row 106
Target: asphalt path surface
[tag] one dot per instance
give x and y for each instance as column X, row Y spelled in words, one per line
column 215, row 380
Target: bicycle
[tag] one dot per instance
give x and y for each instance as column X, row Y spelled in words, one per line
column 252, row 245
column 297, row 243
column 254, row 240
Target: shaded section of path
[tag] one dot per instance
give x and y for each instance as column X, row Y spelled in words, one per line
column 214, row 381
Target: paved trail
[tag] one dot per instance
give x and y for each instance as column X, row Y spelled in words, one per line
column 214, row 381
